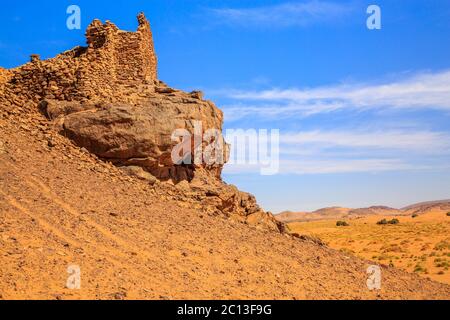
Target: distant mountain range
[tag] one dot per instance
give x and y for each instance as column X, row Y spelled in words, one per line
column 333, row 213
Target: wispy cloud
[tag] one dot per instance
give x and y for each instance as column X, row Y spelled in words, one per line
column 290, row 14
column 362, row 151
column 420, row 91
column 345, row 166
column 349, row 146
column 355, row 151
column 331, row 166
column 411, row 141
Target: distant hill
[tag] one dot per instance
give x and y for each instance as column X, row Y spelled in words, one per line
column 375, row 210
column 425, row 207
column 333, row 213
column 427, row 204
column 321, row 214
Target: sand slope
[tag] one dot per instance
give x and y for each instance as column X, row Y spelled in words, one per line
column 60, row 206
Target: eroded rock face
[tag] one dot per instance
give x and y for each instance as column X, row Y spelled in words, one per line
column 140, row 134
column 219, row 198
column 138, row 139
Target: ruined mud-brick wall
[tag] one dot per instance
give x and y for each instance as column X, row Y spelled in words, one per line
column 128, row 56
column 134, row 54
column 113, row 58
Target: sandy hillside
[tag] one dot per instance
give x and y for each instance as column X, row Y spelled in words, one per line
column 60, row 206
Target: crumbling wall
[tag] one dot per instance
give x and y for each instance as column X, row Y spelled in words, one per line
column 148, row 56
column 112, row 60
column 129, row 55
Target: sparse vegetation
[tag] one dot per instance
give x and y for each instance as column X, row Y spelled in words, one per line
column 392, row 248
column 347, row 251
column 413, row 245
column 442, row 263
column 441, row 246
column 342, row 224
column 420, row 269
column 382, row 222
column 415, row 215
column 386, row 222
column 448, row 214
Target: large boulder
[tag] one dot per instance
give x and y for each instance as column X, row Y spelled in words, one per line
column 138, row 138
column 139, row 134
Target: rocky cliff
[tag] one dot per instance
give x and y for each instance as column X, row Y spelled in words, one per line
column 106, row 98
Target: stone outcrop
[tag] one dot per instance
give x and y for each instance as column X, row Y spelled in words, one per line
column 107, row 99
column 140, row 134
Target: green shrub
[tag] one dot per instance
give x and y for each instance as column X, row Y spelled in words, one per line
column 442, row 264
column 342, row 224
column 420, row 269
column 385, row 222
column 441, row 246
column 394, row 221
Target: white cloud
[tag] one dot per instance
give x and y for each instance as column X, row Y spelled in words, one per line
column 238, row 111
column 345, row 166
column 326, row 152
column 283, row 15
column 383, row 145
column 411, row 141
column 420, row 91
column 330, row 166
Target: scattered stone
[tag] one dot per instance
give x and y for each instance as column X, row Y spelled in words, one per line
column 120, row 295
column 35, row 58
column 139, row 173
column 51, row 143
column 2, row 147
column 197, row 95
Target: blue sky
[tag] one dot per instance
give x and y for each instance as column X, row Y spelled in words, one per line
column 363, row 114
